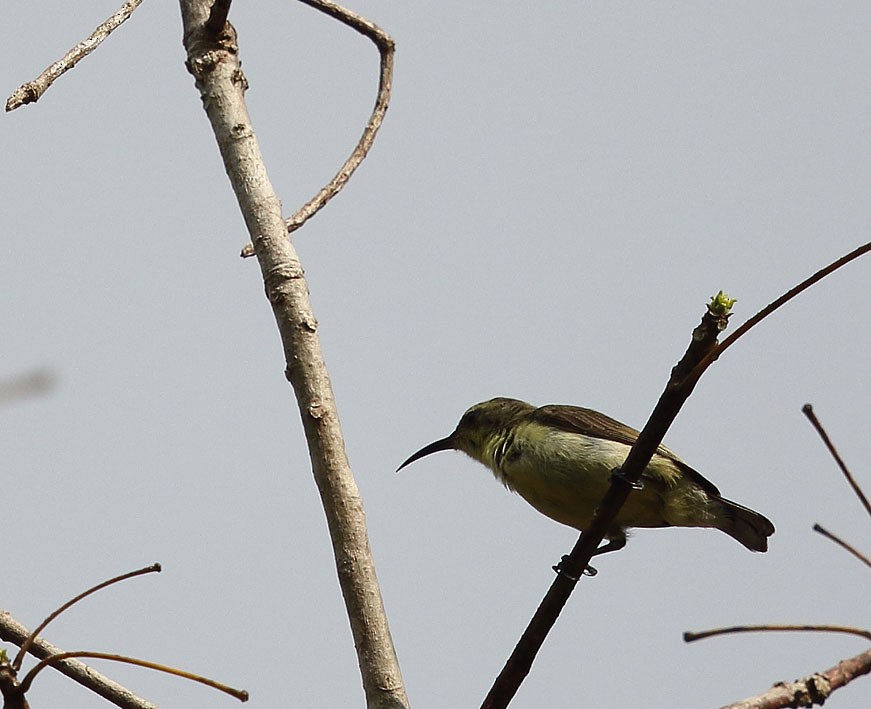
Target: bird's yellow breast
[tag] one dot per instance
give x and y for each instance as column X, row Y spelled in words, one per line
column 565, row 475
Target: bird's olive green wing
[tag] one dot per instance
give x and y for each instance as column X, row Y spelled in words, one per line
column 587, row 422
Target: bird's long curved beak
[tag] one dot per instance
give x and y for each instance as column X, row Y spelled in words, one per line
column 444, row 444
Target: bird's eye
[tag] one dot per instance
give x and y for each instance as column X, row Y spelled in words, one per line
column 470, row 418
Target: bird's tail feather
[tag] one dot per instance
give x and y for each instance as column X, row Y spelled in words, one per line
column 744, row 525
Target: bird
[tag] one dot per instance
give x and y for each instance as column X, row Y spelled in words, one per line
column 560, row 459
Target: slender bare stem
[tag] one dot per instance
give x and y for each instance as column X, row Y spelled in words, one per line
column 12, row 631
column 808, row 411
column 690, row 637
column 771, row 307
column 32, row 90
column 16, row 663
column 837, row 540
column 386, row 48
column 677, row 390
column 239, row 694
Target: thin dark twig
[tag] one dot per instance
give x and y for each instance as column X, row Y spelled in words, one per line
column 771, row 307
column 32, row 90
column 218, row 16
column 239, row 694
column 25, row 646
column 386, row 48
column 837, row 540
column 677, row 390
column 690, row 637
column 808, row 411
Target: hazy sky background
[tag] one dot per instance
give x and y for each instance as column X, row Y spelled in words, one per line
column 556, row 192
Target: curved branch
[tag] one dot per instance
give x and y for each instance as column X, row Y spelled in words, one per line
column 840, row 542
column 25, row 646
column 691, row 637
column 386, row 48
column 239, row 694
column 771, row 307
column 808, row 411
column 12, row 631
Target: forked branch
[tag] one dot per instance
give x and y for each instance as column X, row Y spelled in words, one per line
column 809, row 691
column 213, row 59
column 702, row 352
column 386, row 48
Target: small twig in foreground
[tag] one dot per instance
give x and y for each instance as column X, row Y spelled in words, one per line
column 771, row 307
column 837, row 540
column 808, row 411
column 25, row 646
column 690, row 637
column 239, row 694
column 32, row 90
column 12, row 631
column 386, row 47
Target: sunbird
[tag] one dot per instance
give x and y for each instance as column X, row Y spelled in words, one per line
column 560, row 460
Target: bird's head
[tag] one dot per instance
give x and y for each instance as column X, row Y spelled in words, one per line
column 479, row 430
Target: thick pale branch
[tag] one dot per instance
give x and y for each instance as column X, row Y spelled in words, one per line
column 809, row 691
column 213, row 60
column 32, row 90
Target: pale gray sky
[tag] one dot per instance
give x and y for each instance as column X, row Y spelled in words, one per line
column 556, row 192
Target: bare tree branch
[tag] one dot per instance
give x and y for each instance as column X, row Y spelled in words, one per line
column 782, row 300
column 25, row 646
column 703, row 351
column 239, row 694
column 213, row 61
column 809, row 691
column 677, row 391
column 692, row 637
column 12, row 631
column 808, row 411
column 837, row 540
column 32, row 90
column 386, row 48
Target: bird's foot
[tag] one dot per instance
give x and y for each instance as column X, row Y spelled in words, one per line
column 560, row 568
column 617, row 474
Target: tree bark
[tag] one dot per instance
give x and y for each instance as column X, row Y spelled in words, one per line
column 213, row 61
